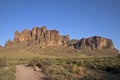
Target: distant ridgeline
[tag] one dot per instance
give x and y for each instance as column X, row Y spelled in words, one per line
column 41, row 37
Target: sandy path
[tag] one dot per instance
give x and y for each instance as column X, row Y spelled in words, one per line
column 27, row 73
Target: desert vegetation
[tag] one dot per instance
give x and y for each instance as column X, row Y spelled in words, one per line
column 79, row 69
column 7, row 70
column 59, row 64
column 91, row 68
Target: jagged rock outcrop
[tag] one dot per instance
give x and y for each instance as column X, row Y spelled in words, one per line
column 23, row 36
column 72, row 42
column 9, row 43
column 65, row 37
column 95, row 42
column 0, row 46
column 40, row 36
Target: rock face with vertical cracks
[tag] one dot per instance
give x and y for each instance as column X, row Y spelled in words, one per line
column 95, row 42
column 40, row 36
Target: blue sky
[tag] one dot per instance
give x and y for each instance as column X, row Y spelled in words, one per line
column 78, row 18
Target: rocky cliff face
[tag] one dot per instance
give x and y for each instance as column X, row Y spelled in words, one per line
column 94, row 42
column 40, row 36
column 65, row 37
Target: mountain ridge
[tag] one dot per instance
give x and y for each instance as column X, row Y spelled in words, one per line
column 42, row 37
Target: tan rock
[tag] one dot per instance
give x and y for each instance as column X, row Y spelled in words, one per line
column 9, row 43
column 95, row 42
column 39, row 36
column 65, row 38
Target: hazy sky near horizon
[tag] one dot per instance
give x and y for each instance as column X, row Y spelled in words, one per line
column 78, row 18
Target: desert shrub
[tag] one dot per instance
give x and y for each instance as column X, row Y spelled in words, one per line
column 34, row 61
column 113, row 69
column 94, row 76
column 39, row 62
column 7, row 73
column 2, row 63
column 89, row 77
column 68, row 75
column 48, row 70
column 52, row 69
column 118, row 56
column 76, row 69
column 57, row 77
column 80, row 62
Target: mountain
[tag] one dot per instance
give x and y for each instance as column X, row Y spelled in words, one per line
column 42, row 38
column 39, row 36
column 95, row 42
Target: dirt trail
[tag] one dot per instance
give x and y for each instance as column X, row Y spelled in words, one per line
column 27, row 73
